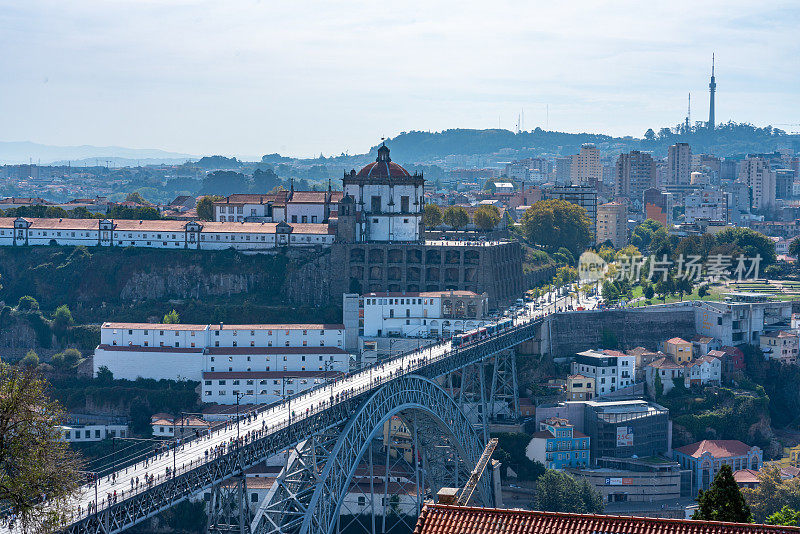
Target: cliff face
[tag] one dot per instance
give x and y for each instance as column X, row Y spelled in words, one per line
column 102, row 284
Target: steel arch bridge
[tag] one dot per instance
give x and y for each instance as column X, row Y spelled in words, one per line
column 333, row 436
column 308, row 499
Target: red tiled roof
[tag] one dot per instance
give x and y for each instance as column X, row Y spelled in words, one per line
column 676, row 340
column 746, row 476
column 442, row 519
column 447, row 293
column 665, row 363
column 271, row 374
column 719, row 448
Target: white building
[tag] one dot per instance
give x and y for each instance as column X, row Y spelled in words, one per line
column 585, row 168
column 388, row 201
column 257, row 387
column 708, row 205
column 162, row 234
column 185, row 352
column 416, row 314
column 742, row 319
column 757, row 174
column 610, row 369
column 169, row 427
column 781, row 346
column 679, row 164
column 92, row 432
column 283, row 206
column 704, row 370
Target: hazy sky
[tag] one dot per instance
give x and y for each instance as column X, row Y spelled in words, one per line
column 303, row 77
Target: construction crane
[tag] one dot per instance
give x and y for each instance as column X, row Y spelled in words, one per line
column 453, row 496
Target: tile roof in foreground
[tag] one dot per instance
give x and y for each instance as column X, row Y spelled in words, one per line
column 442, row 519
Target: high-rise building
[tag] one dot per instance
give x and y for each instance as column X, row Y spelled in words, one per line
column 712, row 89
column 679, row 163
column 635, row 172
column 586, row 168
column 658, row 206
column 784, row 182
column 760, row 178
column 708, row 205
column 561, row 170
column 612, row 224
column 585, row 197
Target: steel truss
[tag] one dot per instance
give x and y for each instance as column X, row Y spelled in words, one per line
column 313, row 487
column 229, row 511
column 337, row 418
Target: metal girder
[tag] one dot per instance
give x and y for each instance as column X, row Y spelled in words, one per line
column 191, row 480
column 504, row 383
column 325, row 482
column 229, row 511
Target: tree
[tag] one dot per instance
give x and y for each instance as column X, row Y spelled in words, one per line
column 750, row 242
column 772, row 492
column 702, row 291
column 27, row 303
column 650, row 135
column 137, row 197
column 172, row 318
column 225, row 183
column 34, row 460
column 794, row 247
column 30, row 361
column 723, row 501
column 644, row 233
column 658, row 385
column 489, row 186
column 558, row 223
column 62, row 318
column 104, row 375
column 264, row 180
column 455, row 217
column 649, row 292
column 557, row 491
column 205, row 207
column 486, row 217
column 431, row 216
column 785, row 516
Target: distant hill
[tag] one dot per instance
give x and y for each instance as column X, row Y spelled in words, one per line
column 15, row 152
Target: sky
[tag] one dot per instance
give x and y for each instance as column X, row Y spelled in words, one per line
column 298, row 77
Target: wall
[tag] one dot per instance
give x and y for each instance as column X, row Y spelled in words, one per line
column 565, row 334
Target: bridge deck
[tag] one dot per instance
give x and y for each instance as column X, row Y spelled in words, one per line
column 193, row 454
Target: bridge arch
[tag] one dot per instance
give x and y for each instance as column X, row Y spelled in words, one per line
column 419, row 402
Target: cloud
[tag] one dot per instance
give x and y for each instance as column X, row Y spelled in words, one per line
column 304, row 77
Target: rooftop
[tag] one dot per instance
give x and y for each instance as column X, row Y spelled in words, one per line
column 718, row 448
column 443, row 519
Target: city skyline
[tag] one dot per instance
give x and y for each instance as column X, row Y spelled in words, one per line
column 305, row 79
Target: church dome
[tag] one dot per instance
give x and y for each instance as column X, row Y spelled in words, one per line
column 383, row 167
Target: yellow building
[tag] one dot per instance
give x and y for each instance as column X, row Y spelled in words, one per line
column 679, row 349
column 580, row 387
column 612, row 224
column 400, row 441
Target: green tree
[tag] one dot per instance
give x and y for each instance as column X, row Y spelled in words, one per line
column 62, row 318
column 30, row 361
column 486, row 217
column 557, row 491
column 557, row 223
column 489, row 186
column 135, row 196
column 785, row 516
column 431, row 216
column 772, row 493
column 750, row 242
column 723, row 501
column 794, row 247
column 172, row 318
column 205, row 207
column 104, row 375
column 27, row 303
column 642, row 236
column 455, row 217
column 702, row 291
column 658, row 385
column 648, row 292
column 34, row 460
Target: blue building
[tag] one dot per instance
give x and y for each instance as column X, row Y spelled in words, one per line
column 558, row 445
column 705, row 458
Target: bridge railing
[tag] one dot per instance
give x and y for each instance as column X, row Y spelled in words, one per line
column 255, row 445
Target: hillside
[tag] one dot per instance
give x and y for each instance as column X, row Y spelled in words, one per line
column 134, row 284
